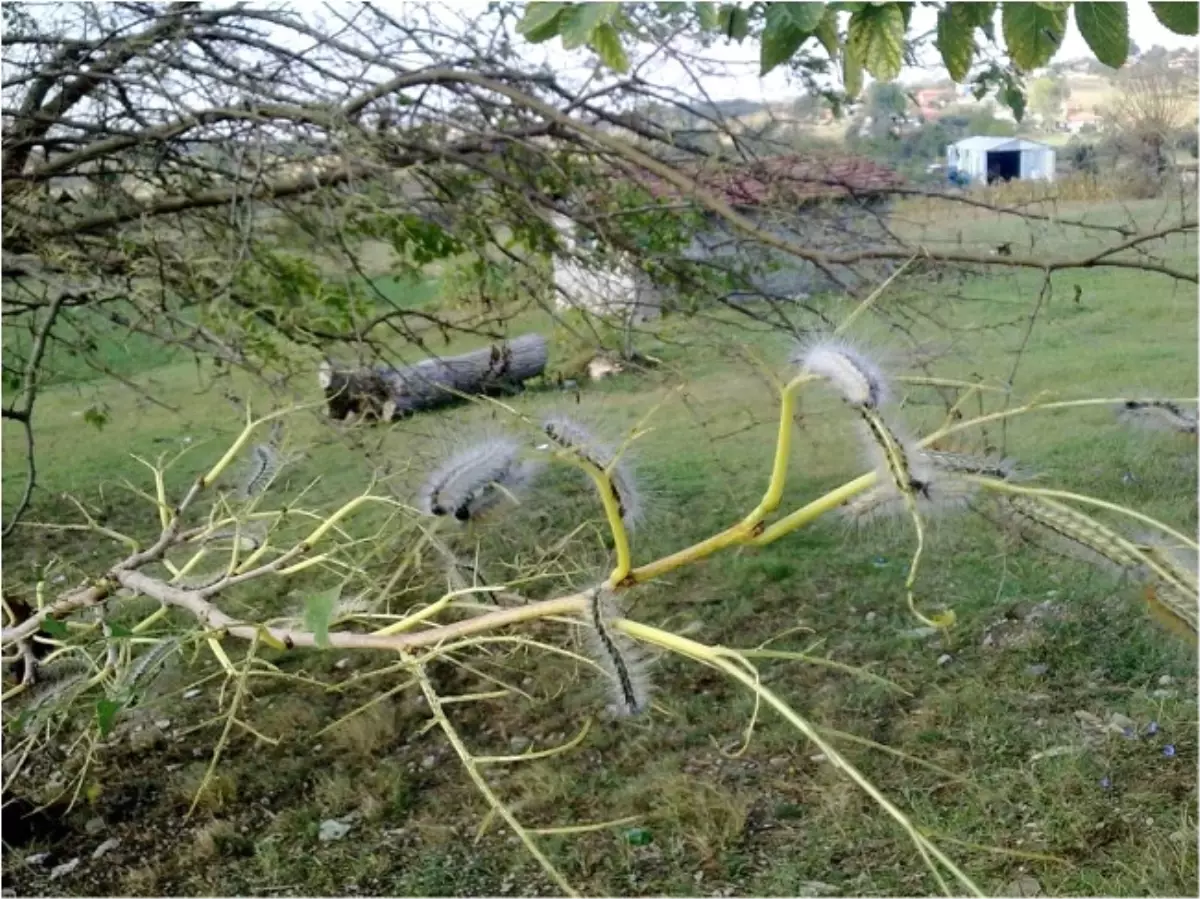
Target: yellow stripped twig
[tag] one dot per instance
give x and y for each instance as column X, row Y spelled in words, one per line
column 470, row 763
column 713, row 657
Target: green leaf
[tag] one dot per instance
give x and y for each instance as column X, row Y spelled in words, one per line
column 1014, row 99
column 1105, row 27
column 734, row 22
column 1032, row 33
column 540, row 22
column 54, row 628
column 707, row 14
column 975, row 15
column 980, row 15
column 1178, row 17
column 118, row 631
column 852, row 72
column 580, row 20
column 956, row 40
column 106, row 715
column 827, row 33
column 318, row 611
column 877, row 38
column 607, row 44
column 801, row 16
column 788, row 26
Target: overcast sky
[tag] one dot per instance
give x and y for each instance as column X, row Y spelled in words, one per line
column 736, row 76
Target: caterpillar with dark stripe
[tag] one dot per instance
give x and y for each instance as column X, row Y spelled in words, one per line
column 476, row 479
column 1159, row 415
column 947, row 491
column 570, row 435
column 620, row 660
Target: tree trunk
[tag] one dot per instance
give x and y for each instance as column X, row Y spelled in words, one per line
column 384, row 392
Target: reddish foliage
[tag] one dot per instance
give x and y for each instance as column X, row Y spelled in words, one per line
column 793, row 179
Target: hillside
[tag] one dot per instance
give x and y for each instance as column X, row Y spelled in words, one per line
column 1089, row 91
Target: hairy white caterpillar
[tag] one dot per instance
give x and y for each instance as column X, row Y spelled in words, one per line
column 856, row 378
column 942, row 493
column 53, row 681
column 1172, row 577
column 265, row 463
column 148, row 661
column 476, row 479
column 965, row 463
column 570, row 435
column 622, row 662
column 348, row 606
column 1158, row 415
column 1071, row 533
column 896, row 457
column 250, row 537
column 200, row 581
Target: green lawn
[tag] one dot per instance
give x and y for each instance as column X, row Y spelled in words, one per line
column 1023, row 783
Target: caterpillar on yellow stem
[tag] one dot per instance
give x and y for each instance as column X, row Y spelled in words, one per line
column 265, row 464
column 572, row 436
column 861, row 384
column 859, row 380
column 618, row 656
column 945, row 490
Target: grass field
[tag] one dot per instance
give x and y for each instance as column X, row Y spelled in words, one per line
column 1002, row 737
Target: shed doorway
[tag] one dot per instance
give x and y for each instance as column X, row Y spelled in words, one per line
column 1003, row 165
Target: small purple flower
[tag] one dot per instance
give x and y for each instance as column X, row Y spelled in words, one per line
column 1169, row 750
column 1106, row 782
column 1152, row 728
column 1128, row 733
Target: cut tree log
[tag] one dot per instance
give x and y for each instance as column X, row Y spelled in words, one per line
column 385, row 393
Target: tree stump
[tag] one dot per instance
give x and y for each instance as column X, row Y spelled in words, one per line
column 384, row 392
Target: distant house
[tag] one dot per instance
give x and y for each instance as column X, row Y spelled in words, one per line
column 985, row 160
column 932, row 100
column 830, row 204
column 1078, row 119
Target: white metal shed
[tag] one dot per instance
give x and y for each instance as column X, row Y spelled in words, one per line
column 983, row 160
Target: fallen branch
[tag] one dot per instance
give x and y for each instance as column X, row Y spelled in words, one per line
column 386, row 393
